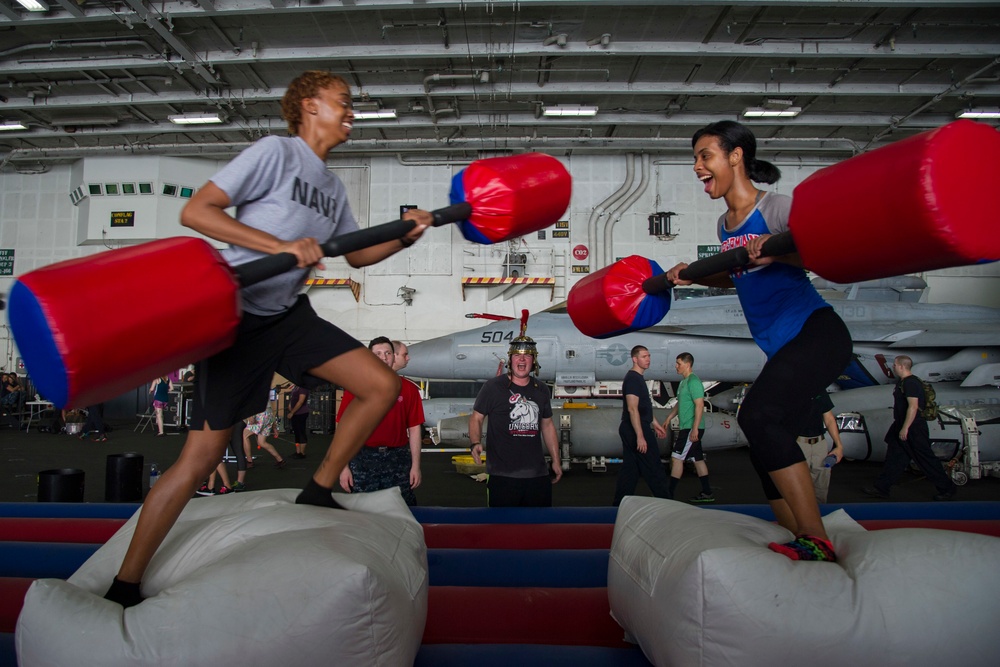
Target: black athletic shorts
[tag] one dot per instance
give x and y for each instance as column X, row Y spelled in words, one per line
column 688, row 451
column 234, row 384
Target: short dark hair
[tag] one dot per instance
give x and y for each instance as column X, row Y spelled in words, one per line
column 637, row 349
column 381, row 340
column 686, row 357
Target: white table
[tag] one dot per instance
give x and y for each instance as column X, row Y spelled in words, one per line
column 35, row 410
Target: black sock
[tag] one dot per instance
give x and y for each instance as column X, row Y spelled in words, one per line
column 673, row 485
column 706, row 488
column 124, row 593
column 314, row 494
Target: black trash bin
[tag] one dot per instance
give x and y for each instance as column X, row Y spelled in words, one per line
column 60, row 485
column 123, row 478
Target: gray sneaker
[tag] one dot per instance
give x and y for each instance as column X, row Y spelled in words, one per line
column 703, row 498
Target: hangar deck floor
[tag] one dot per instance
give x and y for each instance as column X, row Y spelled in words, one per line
column 23, row 455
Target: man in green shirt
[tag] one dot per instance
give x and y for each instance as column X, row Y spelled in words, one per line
column 690, row 408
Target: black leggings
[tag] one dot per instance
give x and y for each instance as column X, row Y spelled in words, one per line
column 798, row 372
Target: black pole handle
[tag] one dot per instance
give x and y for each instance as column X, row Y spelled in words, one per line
column 274, row 265
column 777, row 245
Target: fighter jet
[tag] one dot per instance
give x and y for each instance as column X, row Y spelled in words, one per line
column 965, row 436
column 946, row 342
column 864, row 416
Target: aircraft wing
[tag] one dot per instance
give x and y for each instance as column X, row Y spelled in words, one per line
column 927, row 334
column 895, row 334
column 741, row 331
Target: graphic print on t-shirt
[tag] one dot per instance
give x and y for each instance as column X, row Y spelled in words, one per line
column 739, row 242
column 523, row 415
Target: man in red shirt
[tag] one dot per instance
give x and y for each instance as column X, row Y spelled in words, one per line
column 391, row 455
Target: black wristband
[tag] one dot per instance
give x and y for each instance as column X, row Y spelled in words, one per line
column 406, row 242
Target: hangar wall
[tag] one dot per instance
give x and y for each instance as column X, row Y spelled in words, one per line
column 420, row 293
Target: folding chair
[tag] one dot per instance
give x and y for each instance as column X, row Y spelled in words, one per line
column 145, row 419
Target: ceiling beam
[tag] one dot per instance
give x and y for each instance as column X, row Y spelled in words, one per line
column 72, row 7
column 8, row 11
column 152, row 19
column 523, row 120
column 563, row 92
column 183, row 8
column 820, row 149
column 803, row 52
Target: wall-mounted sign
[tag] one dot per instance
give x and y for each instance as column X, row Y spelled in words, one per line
column 560, row 233
column 562, row 224
column 581, row 269
column 580, row 253
column 123, row 218
column 708, row 251
column 7, row 262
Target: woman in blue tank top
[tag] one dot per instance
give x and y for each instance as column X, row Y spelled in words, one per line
column 806, row 343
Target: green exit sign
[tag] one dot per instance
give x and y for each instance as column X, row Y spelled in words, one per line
column 708, row 251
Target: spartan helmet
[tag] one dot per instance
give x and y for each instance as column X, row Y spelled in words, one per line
column 524, row 345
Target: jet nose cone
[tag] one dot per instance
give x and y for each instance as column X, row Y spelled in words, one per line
column 431, row 359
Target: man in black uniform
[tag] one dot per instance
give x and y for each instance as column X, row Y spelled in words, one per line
column 908, row 438
column 638, row 431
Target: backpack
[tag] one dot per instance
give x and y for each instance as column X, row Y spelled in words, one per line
column 930, row 410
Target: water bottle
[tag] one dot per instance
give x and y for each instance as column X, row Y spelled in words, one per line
column 154, row 474
column 830, row 461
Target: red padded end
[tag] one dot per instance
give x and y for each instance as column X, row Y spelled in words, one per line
column 606, row 301
column 516, row 195
column 915, row 205
column 146, row 330
column 486, row 615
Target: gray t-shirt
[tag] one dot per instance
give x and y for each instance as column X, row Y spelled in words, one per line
column 280, row 186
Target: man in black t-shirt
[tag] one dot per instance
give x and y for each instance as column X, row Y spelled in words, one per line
column 908, row 438
column 520, row 421
column 638, row 431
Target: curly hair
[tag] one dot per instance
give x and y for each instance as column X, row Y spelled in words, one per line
column 308, row 84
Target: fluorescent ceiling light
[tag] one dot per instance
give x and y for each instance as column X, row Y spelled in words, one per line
column 760, row 112
column 12, row 125
column 978, row 113
column 196, row 118
column 570, row 110
column 371, row 115
column 34, row 5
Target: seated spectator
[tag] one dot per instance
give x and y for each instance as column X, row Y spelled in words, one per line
column 13, row 392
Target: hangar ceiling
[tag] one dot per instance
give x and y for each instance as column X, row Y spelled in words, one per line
column 102, row 77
